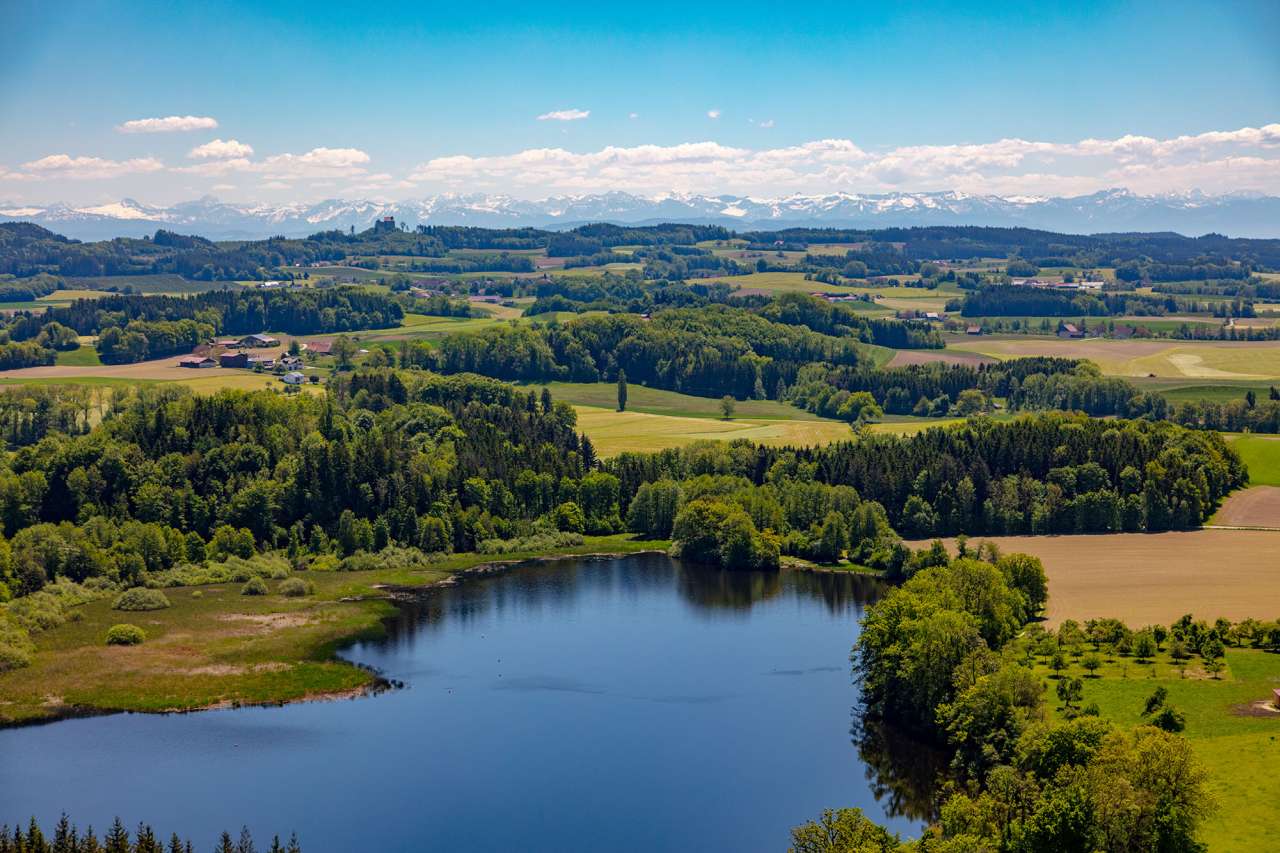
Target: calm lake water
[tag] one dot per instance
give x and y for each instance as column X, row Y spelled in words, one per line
column 623, row 704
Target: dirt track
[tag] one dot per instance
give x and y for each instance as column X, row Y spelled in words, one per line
column 926, row 356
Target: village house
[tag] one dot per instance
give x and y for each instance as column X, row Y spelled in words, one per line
column 259, row 340
column 196, row 361
column 264, row 361
column 293, row 378
column 973, row 330
column 1069, row 330
column 1122, row 331
column 324, row 347
column 234, row 359
column 229, row 343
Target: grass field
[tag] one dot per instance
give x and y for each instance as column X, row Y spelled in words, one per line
column 1221, row 391
column 85, row 356
column 655, row 401
column 613, row 432
column 1160, row 358
column 1227, row 723
column 1262, row 454
column 221, row 647
column 1144, row 578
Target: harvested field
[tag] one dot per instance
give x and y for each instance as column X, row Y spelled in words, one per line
column 1161, row 358
column 906, row 357
column 1255, row 507
column 1145, row 578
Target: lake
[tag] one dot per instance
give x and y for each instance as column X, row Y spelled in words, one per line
column 632, row 704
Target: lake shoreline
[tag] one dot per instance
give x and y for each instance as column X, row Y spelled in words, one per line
column 376, row 597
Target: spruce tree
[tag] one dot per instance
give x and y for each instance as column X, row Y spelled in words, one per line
column 622, row 390
column 117, row 839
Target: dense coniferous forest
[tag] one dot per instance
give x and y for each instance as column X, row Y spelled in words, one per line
column 65, row 837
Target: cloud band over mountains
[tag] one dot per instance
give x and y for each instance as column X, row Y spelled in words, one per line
column 1217, row 161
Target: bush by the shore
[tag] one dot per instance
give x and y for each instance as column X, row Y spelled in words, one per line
column 125, row 635
column 254, row 586
column 141, row 598
column 295, row 588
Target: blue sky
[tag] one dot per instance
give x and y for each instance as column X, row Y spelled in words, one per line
column 421, row 97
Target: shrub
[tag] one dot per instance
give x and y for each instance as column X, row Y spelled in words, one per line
column 295, row 588
column 16, row 647
column 125, row 635
column 141, row 598
column 534, row 542
column 323, row 563
column 255, row 586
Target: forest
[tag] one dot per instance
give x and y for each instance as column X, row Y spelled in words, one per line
column 66, row 837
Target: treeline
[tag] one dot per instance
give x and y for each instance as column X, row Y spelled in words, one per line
column 1011, row 300
column 134, row 327
column 67, row 838
column 1047, row 473
column 711, row 351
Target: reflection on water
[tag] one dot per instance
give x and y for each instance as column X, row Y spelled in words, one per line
column 903, row 772
column 612, row 704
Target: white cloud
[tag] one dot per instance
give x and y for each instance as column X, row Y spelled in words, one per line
column 170, row 124
column 220, row 150
column 223, row 187
column 767, row 123
column 713, row 114
column 66, row 166
column 316, row 163
column 634, row 115
column 276, row 185
column 564, row 115
column 1215, row 161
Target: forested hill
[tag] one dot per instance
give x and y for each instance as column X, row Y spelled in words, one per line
column 28, row 250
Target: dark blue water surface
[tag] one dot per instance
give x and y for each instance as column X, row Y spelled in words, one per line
column 623, row 704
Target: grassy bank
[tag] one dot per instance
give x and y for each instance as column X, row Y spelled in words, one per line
column 1227, row 722
column 215, row 647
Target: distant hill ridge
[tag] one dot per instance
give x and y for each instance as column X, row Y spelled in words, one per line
column 1116, row 210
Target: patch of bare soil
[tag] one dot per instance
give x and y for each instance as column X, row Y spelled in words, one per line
column 1261, row 708
column 907, row 357
column 1258, row 506
column 264, row 623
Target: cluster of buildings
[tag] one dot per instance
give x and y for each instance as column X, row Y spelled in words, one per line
column 237, row 353
column 1046, row 284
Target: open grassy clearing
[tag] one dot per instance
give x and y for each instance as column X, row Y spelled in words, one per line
column 1227, row 723
column 85, row 356
column 1251, row 360
column 778, row 282
column 1261, row 453
column 655, row 401
column 1145, row 578
column 613, row 432
column 220, row 647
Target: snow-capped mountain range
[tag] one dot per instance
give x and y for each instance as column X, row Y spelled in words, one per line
column 1236, row 214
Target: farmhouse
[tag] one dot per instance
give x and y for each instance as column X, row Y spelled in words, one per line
column 234, row 359
column 227, row 342
column 259, row 341
column 1122, row 331
column 1070, row 330
column 264, row 361
column 973, row 330
column 196, row 361
column 319, row 347
column 293, row 378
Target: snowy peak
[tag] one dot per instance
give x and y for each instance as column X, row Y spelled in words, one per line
column 1237, row 214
